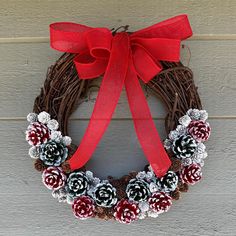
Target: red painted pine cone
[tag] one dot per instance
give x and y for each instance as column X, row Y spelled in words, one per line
column 37, row 133
column 199, row 130
column 83, row 207
column 126, row 212
column 191, row 174
column 53, row 178
column 160, row 202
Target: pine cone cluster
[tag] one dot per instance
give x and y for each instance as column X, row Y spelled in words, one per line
column 137, row 190
column 160, row 202
column 126, row 212
column 168, row 182
column 53, row 178
column 105, row 194
column 37, row 133
column 191, row 174
column 184, row 146
column 83, row 207
column 77, row 184
column 199, row 130
column 53, row 153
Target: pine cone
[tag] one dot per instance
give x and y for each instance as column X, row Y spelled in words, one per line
column 160, row 202
column 175, row 164
column 104, row 213
column 126, row 212
column 137, row 190
column 60, row 194
column 120, row 185
column 199, row 130
column 39, row 165
column 175, row 194
column 66, row 167
column 183, row 187
column 168, row 182
column 53, row 178
column 83, row 207
column 77, row 184
column 184, row 146
column 105, row 194
column 191, row 174
column 37, row 134
column 53, row 153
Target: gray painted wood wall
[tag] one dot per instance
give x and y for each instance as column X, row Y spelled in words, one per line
column 26, row 207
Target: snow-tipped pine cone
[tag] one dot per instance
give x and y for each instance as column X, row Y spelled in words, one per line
column 191, row 174
column 184, row 146
column 77, row 184
column 53, row 178
column 83, row 207
column 105, row 194
column 199, row 130
column 37, row 133
column 168, row 182
column 160, row 202
column 53, row 153
column 137, row 190
column 60, row 194
column 126, row 212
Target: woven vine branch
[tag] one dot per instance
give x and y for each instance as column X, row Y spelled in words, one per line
column 63, row 91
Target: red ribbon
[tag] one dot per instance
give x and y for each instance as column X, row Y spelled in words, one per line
column 122, row 58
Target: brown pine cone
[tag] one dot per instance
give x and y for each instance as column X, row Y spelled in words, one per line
column 175, row 194
column 175, row 164
column 39, row 165
column 120, row 186
column 121, row 193
column 71, row 150
column 133, row 174
column 183, row 187
column 66, row 167
column 104, row 213
column 126, row 178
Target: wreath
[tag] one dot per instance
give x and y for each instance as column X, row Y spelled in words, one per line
column 152, row 55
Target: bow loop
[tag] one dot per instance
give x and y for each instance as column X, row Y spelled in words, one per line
column 92, row 62
column 145, row 66
column 68, row 37
column 99, row 42
column 177, row 27
column 89, row 67
column 161, row 49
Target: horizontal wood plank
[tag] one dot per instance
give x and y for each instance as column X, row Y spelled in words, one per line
column 193, row 215
column 25, row 65
column 31, row 18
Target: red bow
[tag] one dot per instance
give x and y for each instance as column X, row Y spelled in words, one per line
column 122, row 58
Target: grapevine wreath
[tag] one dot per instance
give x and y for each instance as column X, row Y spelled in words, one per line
column 122, row 58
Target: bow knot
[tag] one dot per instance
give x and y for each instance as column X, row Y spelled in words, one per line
column 123, row 58
column 146, row 53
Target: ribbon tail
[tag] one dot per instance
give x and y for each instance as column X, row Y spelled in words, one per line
column 144, row 125
column 106, row 101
